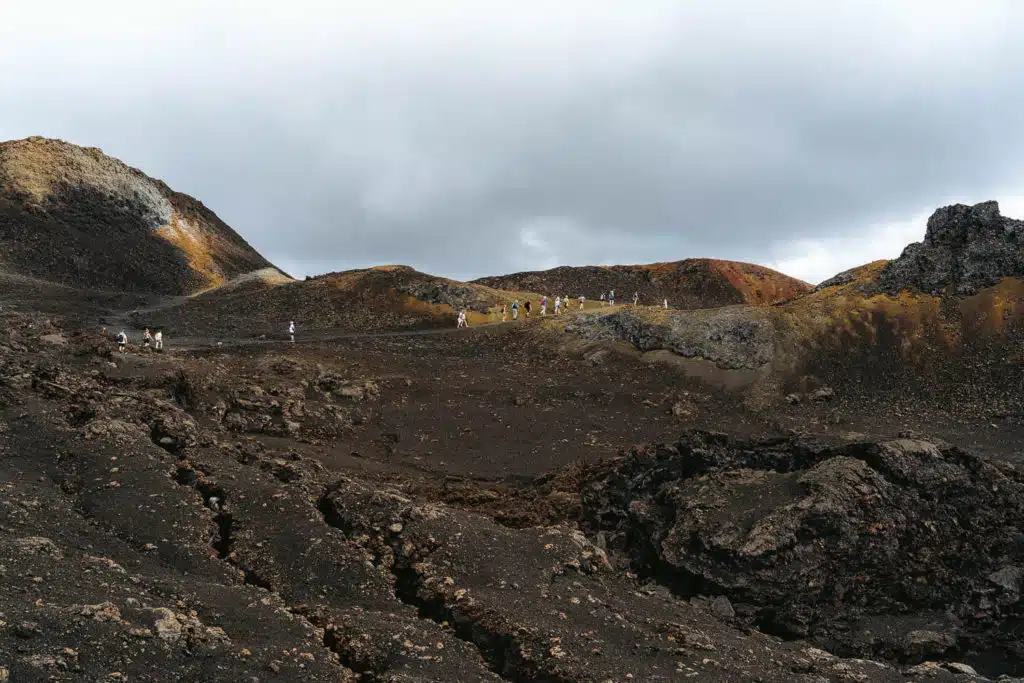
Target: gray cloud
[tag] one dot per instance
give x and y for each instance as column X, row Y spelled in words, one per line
column 466, row 142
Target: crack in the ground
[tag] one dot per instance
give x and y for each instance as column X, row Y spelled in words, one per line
column 216, row 499
column 502, row 652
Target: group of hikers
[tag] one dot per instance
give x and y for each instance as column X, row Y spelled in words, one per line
column 156, row 340
column 149, row 340
column 561, row 303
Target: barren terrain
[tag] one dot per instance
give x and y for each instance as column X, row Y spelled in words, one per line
column 828, row 488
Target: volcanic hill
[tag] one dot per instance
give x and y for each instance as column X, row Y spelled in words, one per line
column 688, row 284
column 77, row 217
column 362, row 300
column 943, row 323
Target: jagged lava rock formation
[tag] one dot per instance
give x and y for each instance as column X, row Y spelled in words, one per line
column 899, row 550
column 688, row 284
column 965, row 248
column 75, row 216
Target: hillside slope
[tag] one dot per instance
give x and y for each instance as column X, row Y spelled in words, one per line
column 944, row 322
column 689, row 284
column 363, row 300
column 75, row 216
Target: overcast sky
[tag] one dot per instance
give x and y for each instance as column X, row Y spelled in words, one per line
column 478, row 137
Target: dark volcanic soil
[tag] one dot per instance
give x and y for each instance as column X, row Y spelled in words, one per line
column 470, row 506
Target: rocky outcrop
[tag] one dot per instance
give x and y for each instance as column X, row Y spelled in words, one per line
column 843, row 278
column 453, row 294
column 901, row 550
column 965, row 249
column 733, row 337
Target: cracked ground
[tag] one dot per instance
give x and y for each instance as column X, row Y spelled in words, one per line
column 436, row 508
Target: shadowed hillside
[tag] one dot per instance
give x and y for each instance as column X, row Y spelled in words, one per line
column 364, row 300
column 693, row 283
column 74, row 216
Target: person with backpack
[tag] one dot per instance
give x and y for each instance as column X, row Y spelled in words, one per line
column 504, row 313
column 122, row 342
column 611, row 298
column 558, row 305
column 158, row 340
column 582, row 299
column 544, row 305
column 515, row 309
column 462, row 319
column 147, row 338
column 528, row 307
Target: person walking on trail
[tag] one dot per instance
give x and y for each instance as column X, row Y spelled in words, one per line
column 291, row 330
column 122, row 342
column 636, row 298
column 582, row 299
column 602, row 299
column 462, row 319
column 528, row 307
column 611, row 298
column 147, row 338
column 515, row 309
column 158, row 340
column 558, row 305
column 504, row 313
column 666, row 304
column 544, row 305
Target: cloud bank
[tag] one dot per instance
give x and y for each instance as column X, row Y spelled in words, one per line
column 466, row 139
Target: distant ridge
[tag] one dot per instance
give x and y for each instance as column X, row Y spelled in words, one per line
column 688, row 284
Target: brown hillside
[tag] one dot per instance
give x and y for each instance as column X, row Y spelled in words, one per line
column 364, row 300
column 959, row 356
column 870, row 330
column 75, row 216
column 689, row 284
